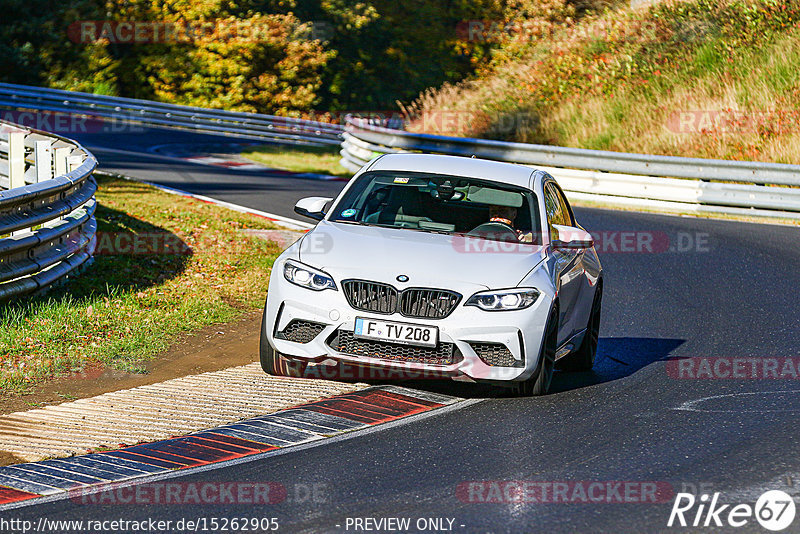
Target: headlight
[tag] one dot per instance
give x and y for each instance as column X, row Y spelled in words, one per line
column 504, row 299
column 308, row 277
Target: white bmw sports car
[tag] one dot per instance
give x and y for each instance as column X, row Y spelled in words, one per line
column 438, row 266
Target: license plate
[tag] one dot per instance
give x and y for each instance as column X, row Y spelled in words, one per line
column 407, row 334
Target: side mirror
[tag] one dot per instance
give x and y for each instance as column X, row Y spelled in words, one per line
column 312, row 207
column 571, row 237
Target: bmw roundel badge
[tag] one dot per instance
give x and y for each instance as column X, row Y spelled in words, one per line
column 402, row 278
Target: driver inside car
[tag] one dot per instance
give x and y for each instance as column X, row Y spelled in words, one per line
column 507, row 215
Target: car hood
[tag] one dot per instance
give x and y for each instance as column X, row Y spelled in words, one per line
column 428, row 259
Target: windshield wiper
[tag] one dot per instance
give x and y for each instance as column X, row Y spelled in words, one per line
column 393, row 227
column 356, row 223
column 431, row 231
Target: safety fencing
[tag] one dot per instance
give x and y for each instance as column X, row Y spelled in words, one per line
column 120, row 112
column 660, row 182
column 47, row 205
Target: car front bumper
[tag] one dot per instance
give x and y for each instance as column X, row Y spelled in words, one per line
column 467, row 327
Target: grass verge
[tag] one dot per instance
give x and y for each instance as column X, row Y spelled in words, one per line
column 321, row 160
column 193, row 267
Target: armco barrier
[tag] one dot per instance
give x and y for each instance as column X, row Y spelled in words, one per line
column 47, row 205
column 686, row 184
column 253, row 126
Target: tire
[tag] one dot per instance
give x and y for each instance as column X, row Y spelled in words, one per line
column 273, row 362
column 539, row 383
column 583, row 358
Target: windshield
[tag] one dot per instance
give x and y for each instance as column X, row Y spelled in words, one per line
column 442, row 204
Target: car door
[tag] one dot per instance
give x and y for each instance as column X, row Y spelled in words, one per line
column 567, row 263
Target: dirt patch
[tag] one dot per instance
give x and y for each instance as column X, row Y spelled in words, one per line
column 213, row 348
column 8, row 458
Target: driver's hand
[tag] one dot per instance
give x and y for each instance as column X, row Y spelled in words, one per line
column 525, row 237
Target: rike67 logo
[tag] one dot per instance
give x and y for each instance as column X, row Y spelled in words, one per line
column 774, row 510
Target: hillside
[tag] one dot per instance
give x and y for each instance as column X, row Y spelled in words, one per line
column 705, row 78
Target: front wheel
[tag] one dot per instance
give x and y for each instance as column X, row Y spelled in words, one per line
column 539, row 383
column 273, row 362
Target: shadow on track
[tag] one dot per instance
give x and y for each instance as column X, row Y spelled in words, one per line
column 617, row 357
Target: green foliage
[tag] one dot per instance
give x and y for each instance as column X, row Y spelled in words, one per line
column 34, row 47
column 388, row 50
column 311, row 55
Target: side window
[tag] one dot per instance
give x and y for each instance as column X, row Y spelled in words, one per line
column 566, row 213
column 553, row 207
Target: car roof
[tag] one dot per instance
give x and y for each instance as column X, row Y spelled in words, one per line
column 497, row 171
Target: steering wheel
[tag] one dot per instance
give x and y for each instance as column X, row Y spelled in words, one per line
column 496, row 230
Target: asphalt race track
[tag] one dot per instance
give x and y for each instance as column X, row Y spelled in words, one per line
column 132, row 154
column 710, row 289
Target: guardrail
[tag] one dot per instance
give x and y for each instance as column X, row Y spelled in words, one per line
column 253, row 126
column 664, row 182
column 47, row 205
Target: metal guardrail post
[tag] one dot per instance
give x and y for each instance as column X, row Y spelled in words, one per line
column 60, row 160
column 16, row 159
column 43, row 160
column 16, row 165
column 74, row 162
